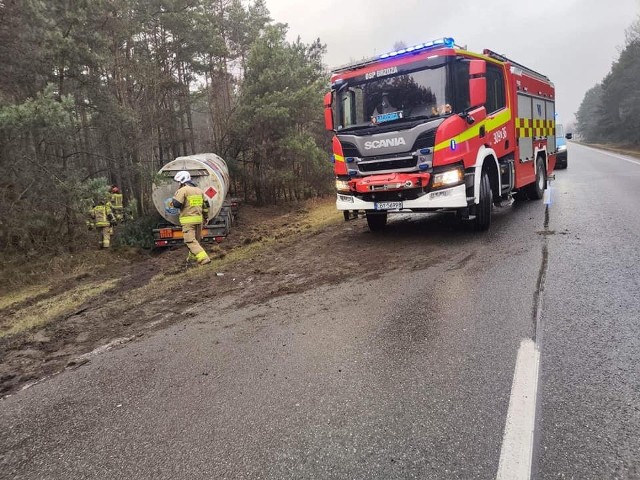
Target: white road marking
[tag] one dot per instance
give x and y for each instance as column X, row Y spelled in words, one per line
column 547, row 194
column 516, row 455
column 517, row 442
column 619, row 157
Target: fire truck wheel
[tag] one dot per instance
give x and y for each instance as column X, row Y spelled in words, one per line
column 535, row 191
column 376, row 221
column 483, row 209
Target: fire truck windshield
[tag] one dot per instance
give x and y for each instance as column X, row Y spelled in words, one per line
column 408, row 96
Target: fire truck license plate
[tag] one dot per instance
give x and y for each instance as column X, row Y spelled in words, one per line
column 388, row 205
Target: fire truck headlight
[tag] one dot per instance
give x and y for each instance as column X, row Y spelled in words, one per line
column 448, row 178
column 342, row 185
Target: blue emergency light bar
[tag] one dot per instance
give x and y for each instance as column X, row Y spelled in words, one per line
column 441, row 42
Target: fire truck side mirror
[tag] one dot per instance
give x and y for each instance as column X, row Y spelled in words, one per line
column 477, row 83
column 328, row 113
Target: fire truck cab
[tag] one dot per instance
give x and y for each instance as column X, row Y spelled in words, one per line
column 435, row 127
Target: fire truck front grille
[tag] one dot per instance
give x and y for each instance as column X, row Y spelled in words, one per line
column 425, row 140
column 349, row 150
column 387, row 164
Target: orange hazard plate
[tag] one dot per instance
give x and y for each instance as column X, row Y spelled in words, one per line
column 169, row 233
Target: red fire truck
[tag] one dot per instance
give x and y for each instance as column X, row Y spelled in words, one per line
column 434, row 127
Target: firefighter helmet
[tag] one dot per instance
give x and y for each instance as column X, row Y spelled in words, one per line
column 182, row 176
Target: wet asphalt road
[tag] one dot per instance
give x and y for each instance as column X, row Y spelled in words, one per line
column 404, row 376
column 590, row 374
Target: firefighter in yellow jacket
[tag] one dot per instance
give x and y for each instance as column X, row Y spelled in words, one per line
column 102, row 218
column 193, row 211
column 116, row 204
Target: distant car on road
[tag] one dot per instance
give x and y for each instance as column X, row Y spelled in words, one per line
column 561, row 146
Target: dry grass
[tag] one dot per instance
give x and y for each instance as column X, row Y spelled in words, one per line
column 21, row 295
column 324, row 214
column 312, row 217
column 46, row 310
column 16, row 275
column 631, row 150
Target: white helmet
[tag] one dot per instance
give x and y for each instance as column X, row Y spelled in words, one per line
column 182, row 176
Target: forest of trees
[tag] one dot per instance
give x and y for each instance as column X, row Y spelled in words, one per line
column 610, row 111
column 107, row 91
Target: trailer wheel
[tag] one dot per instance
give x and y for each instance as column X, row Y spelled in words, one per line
column 482, row 221
column 535, row 191
column 347, row 215
column 376, row 221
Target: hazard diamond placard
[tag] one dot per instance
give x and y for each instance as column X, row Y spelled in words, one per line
column 210, row 192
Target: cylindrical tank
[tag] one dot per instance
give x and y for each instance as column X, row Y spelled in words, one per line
column 208, row 171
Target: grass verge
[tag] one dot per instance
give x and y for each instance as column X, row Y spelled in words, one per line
column 19, row 296
column 310, row 219
column 631, row 150
column 48, row 309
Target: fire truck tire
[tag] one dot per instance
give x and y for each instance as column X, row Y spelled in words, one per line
column 562, row 166
column 535, row 191
column 376, row 221
column 482, row 221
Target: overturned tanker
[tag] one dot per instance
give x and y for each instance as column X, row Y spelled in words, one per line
column 210, row 173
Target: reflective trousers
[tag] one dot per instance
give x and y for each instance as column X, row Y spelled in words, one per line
column 105, row 236
column 192, row 234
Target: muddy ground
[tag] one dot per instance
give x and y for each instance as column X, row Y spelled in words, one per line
column 270, row 252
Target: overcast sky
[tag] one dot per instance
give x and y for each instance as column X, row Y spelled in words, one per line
column 573, row 42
